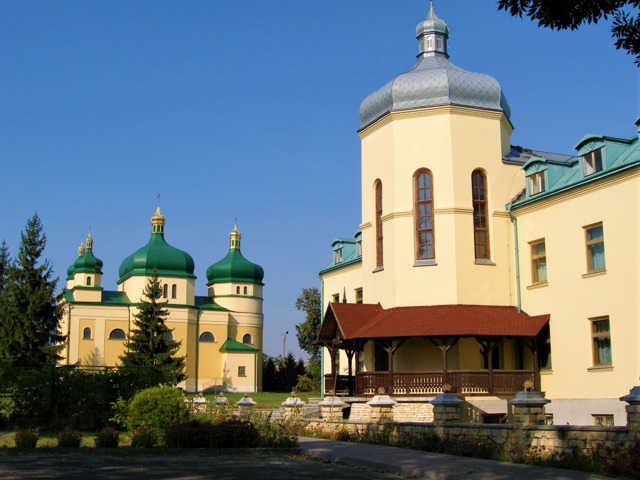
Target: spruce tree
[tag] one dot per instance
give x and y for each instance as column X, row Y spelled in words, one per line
column 30, row 319
column 149, row 344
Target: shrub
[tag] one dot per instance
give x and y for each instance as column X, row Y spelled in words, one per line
column 26, row 438
column 225, row 434
column 69, row 438
column 107, row 438
column 157, row 407
column 144, row 437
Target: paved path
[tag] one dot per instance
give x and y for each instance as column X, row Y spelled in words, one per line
column 432, row 466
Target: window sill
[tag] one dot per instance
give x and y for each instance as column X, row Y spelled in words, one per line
column 484, row 261
column 595, row 273
column 600, row 368
column 378, row 269
column 546, row 371
column 538, row 285
column 424, row 263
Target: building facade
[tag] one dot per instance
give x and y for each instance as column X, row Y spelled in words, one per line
column 479, row 265
column 220, row 333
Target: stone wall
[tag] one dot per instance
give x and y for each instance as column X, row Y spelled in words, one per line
column 418, row 410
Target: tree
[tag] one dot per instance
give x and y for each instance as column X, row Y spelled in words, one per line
column 5, row 261
column 307, row 331
column 150, row 343
column 563, row 14
column 30, row 320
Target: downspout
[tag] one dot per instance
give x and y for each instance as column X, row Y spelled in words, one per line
column 197, row 345
column 517, row 254
column 322, row 348
column 69, row 335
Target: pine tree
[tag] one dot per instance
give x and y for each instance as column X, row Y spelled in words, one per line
column 5, row 261
column 30, row 320
column 149, row 344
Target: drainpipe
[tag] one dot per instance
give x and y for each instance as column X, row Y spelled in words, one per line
column 197, row 345
column 322, row 349
column 517, row 253
column 69, row 335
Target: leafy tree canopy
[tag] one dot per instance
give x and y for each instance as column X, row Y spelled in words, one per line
column 564, row 14
column 150, row 343
column 307, row 331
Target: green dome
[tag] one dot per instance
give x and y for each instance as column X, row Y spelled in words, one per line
column 157, row 256
column 86, row 261
column 234, row 267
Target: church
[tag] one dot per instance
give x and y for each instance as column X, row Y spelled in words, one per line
column 479, row 266
column 220, row 333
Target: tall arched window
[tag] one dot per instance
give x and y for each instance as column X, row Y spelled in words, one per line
column 379, row 256
column 165, row 290
column 246, row 339
column 174, row 290
column 86, row 333
column 480, row 215
column 88, row 281
column 423, row 188
column 245, row 290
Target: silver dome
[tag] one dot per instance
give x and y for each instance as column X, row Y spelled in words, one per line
column 434, row 81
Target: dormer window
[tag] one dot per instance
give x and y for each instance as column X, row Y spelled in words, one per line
column 536, row 183
column 359, row 248
column 592, row 162
column 337, row 255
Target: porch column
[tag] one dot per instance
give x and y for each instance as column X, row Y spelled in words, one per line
column 633, row 410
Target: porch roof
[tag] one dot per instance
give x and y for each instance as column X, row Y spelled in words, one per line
column 351, row 321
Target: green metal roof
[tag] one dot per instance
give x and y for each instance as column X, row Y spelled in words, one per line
column 206, row 303
column 157, row 256
column 235, row 268
column 86, row 263
column 108, row 298
column 235, row 346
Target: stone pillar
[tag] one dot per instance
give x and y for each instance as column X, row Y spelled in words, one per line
column 633, row 410
column 331, row 408
column 528, row 409
column 292, row 407
column 199, row 404
column 446, row 409
column 245, row 405
column 381, row 407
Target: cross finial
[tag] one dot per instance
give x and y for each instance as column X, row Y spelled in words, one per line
column 158, row 199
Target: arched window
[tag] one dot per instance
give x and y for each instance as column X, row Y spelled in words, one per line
column 423, row 188
column 117, row 334
column 245, row 290
column 207, row 337
column 378, row 189
column 174, row 290
column 165, row 290
column 168, row 336
column 480, row 215
column 238, row 289
column 86, row 333
column 88, row 281
column 247, row 339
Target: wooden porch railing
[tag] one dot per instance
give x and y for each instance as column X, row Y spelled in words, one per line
column 465, row 382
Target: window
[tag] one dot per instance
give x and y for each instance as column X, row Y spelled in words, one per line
column 86, row 333
column 242, row 371
column 536, row 183
column 595, row 248
column 168, row 336
column 358, row 295
column 379, row 223
column 601, row 336
column 117, row 334
column 538, row 262
column 335, row 298
column 245, row 290
column 337, row 255
column 359, row 248
column 165, row 291
column 592, row 162
column 246, row 339
column 424, row 215
column 174, row 290
column 238, row 290
column 88, row 281
column 207, row 337
column 603, row 420
column 544, row 348
column 480, row 215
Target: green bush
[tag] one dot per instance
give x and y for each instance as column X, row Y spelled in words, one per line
column 107, row 438
column 144, row 437
column 69, row 438
column 157, row 407
column 26, row 438
column 225, row 434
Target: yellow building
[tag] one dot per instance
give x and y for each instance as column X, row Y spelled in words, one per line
column 434, row 288
column 220, row 333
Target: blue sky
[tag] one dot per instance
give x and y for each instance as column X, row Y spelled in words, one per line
column 250, row 110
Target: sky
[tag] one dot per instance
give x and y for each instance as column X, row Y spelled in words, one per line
column 249, row 110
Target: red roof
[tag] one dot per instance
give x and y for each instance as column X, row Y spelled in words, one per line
column 362, row 321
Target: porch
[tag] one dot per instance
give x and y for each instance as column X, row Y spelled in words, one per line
column 463, row 382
